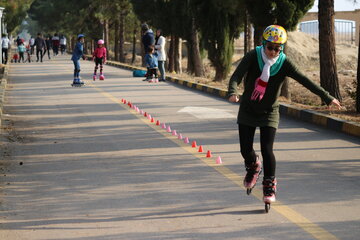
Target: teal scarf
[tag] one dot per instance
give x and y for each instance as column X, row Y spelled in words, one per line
column 274, row 69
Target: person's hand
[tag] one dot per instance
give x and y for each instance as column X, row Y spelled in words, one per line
column 335, row 103
column 234, row 98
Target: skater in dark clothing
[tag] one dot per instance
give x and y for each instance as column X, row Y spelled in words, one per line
column 265, row 69
column 40, row 46
column 78, row 53
column 55, row 44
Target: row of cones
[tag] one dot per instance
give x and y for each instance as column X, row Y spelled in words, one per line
column 168, row 129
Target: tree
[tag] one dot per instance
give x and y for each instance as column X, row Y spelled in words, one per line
column 328, row 71
column 220, row 23
column 15, row 12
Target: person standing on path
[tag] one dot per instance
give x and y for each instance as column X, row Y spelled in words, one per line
column 148, row 41
column 62, row 44
column 160, row 42
column 32, row 45
column 40, row 46
column 21, row 50
column 5, row 46
column 78, row 53
column 48, row 46
column 265, row 69
column 55, row 44
column 99, row 57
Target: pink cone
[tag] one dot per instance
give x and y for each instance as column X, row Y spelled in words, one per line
column 168, row 129
column 174, row 133
column 218, row 160
column 186, row 140
column 163, row 126
column 180, row 136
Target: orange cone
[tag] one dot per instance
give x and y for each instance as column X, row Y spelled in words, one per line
column 208, row 154
column 145, row 114
column 200, row 149
column 157, row 123
column 152, row 120
column 194, row 144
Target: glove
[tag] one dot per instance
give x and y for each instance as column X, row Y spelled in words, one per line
column 259, row 91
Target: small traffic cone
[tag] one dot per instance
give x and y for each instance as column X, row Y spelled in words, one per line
column 163, row 126
column 137, row 109
column 180, row 136
column 174, row 133
column 149, row 116
column 157, row 123
column 141, row 112
column 200, row 149
column 145, row 114
column 208, row 154
column 194, row 144
column 168, row 129
column 218, row 160
column 152, row 120
column 186, row 140
column 122, row 100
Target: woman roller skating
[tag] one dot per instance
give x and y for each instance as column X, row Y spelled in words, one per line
column 99, row 56
column 265, row 68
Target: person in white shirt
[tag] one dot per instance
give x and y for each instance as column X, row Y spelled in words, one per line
column 5, row 45
column 160, row 42
column 62, row 44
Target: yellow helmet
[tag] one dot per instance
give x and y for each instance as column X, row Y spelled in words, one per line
column 275, row 34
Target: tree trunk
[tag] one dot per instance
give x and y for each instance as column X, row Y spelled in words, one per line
column 134, row 47
column 196, row 56
column 178, row 55
column 116, row 40
column 106, row 36
column 358, row 81
column 190, row 56
column 328, row 71
column 142, row 49
column 220, row 73
column 258, row 31
column 247, row 33
column 285, row 86
column 171, row 54
column 122, row 38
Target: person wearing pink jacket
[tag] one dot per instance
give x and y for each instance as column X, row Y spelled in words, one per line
column 99, row 57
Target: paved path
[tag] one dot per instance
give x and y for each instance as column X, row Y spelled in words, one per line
column 92, row 168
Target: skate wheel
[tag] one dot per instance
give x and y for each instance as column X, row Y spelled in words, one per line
column 248, row 191
column 267, row 207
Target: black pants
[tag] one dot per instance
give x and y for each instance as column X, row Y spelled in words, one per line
column 4, row 55
column 21, row 57
column 267, row 137
column 37, row 54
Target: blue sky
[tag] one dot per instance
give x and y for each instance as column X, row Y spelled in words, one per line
column 340, row 5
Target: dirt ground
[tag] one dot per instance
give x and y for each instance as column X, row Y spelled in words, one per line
column 303, row 50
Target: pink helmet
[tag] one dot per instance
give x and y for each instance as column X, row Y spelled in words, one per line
column 100, row 42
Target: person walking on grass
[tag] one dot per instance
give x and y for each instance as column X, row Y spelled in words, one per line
column 265, row 69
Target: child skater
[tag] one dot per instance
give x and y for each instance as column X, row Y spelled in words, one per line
column 265, row 68
column 152, row 64
column 77, row 54
column 99, row 56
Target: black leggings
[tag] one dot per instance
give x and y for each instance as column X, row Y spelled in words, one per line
column 267, row 137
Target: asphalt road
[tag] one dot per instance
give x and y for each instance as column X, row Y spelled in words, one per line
column 79, row 164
